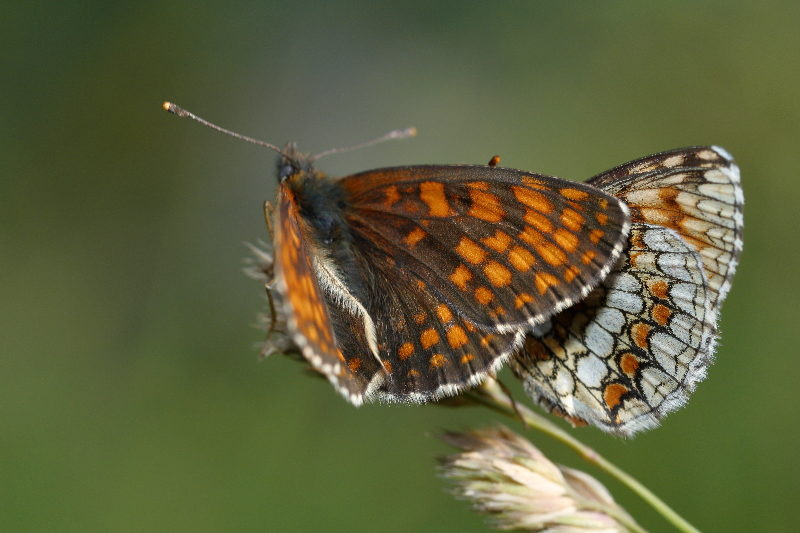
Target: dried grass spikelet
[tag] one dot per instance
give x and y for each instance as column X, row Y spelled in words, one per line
column 508, row 478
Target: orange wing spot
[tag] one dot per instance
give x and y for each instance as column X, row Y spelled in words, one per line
column 603, row 203
column 392, row 196
column 340, row 355
column 445, row 315
column 413, row 373
column 545, row 280
column 438, row 360
column 420, row 318
column 613, row 394
column 499, row 310
column 601, row 218
column 538, row 221
column 668, row 195
column 480, row 185
column 486, row 340
column 534, row 200
column 571, row 273
column 660, row 289
column 633, row 257
column 387, row 366
column 531, row 236
column 521, row 259
column 521, row 299
column 428, row 338
column 629, row 363
column 577, row 207
column 535, row 183
column 551, row 253
column 456, row 337
column 588, row 256
column 661, row 314
column 421, row 284
column 595, row 235
column 637, row 241
column 484, row 295
column 498, row 242
column 466, row 358
column 498, row 275
column 639, row 332
column 470, row 327
column 414, row 236
column 485, row 206
column 572, row 219
column 574, row 194
column 354, row 364
column 460, row 277
column 405, row 351
column 471, row 251
column 567, row 240
column 432, row 193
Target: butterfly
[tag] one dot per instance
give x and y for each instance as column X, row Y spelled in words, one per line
column 634, row 349
column 413, row 283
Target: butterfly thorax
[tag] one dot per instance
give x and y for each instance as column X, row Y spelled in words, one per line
column 319, row 203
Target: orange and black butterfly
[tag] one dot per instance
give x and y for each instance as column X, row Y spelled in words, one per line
column 413, row 283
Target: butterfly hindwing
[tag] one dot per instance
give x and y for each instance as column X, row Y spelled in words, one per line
column 634, row 349
column 695, row 191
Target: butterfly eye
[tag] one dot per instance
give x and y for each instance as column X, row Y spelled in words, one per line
column 285, row 170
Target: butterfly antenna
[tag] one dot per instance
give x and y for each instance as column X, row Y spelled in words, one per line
column 181, row 112
column 394, row 134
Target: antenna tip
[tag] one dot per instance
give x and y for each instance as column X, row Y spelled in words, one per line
column 402, row 134
column 174, row 109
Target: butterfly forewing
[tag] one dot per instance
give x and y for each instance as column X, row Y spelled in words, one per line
column 505, row 249
column 307, row 309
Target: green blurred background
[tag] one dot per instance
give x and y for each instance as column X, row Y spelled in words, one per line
column 131, row 395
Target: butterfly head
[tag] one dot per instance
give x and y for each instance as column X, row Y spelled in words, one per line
column 292, row 162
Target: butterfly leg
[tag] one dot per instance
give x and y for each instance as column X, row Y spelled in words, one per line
column 268, row 209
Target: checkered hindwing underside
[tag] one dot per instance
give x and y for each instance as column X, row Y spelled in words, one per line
column 635, row 348
column 504, row 249
column 694, row 191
